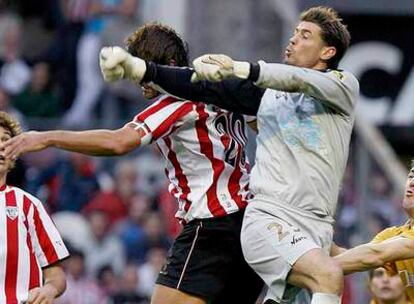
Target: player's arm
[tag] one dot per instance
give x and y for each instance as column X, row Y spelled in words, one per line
column 338, row 90
column 91, row 142
column 372, row 255
column 240, row 96
column 54, row 285
column 236, row 95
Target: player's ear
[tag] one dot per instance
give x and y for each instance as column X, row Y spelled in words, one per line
column 173, row 62
column 327, row 52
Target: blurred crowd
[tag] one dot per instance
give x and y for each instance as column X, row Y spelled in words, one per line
column 114, row 213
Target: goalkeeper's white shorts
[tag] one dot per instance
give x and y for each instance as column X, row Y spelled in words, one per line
column 273, row 241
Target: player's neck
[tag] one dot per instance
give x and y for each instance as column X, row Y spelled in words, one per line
column 320, row 66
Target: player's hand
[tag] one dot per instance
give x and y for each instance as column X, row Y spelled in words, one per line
column 42, row 295
column 23, row 143
column 116, row 63
column 217, row 67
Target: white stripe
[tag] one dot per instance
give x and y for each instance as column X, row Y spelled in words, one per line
column 3, row 246
column 158, row 118
column 189, row 256
column 50, row 229
column 40, row 255
column 23, row 270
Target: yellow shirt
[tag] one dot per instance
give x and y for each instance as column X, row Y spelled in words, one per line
column 404, row 268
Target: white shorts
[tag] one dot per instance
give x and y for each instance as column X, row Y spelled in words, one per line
column 272, row 241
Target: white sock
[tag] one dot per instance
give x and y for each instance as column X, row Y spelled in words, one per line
column 325, row 298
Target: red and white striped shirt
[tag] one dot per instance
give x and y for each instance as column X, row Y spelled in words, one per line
column 29, row 241
column 204, row 148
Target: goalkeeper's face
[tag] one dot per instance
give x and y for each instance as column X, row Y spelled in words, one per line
column 306, row 48
column 408, row 202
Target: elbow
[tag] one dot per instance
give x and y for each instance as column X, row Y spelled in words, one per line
column 121, row 146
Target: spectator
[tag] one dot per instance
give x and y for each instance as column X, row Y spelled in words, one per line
column 107, row 280
column 7, row 107
column 39, row 99
column 386, row 289
column 71, row 182
column 148, row 271
column 105, row 16
column 114, row 203
column 128, row 292
column 80, row 289
column 131, row 229
column 155, row 233
column 14, row 73
column 105, row 248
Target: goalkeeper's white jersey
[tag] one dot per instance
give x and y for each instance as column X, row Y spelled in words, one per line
column 305, row 122
column 205, row 159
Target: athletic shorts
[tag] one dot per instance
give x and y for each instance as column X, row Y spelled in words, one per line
column 273, row 241
column 206, row 260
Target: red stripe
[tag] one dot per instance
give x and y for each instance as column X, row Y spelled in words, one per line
column 154, row 109
column 179, row 174
column 206, row 147
column 234, row 180
column 234, row 183
column 44, row 240
column 34, row 280
column 167, row 123
column 12, row 251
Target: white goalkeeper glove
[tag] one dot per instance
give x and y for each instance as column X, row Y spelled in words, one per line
column 216, row 67
column 116, row 63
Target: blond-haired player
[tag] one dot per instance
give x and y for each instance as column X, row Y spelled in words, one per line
column 392, row 248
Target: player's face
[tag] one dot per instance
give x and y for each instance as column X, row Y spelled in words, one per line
column 4, row 163
column 148, row 92
column 306, row 48
column 408, row 202
column 386, row 288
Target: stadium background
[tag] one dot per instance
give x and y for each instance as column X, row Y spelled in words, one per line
column 115, row 212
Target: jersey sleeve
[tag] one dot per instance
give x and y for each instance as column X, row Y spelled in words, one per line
column 236, row 95
column 336, row 89
column 386, row 234
column 163, row 117
column 47, row 242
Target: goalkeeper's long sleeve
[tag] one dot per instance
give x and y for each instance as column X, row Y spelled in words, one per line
column 235, row 95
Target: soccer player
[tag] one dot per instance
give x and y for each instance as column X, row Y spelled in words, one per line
column 305, row 110
column 30, row 245
column 385, row 288
column 208, row 172
column 392, row 248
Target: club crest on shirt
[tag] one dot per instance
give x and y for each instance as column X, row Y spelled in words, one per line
column 12, row 212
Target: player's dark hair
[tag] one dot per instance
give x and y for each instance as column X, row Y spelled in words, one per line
column 159, row 43
column 333, row 31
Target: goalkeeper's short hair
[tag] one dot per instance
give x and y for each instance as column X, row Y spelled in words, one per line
column 158, row 43
column 333, row 31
